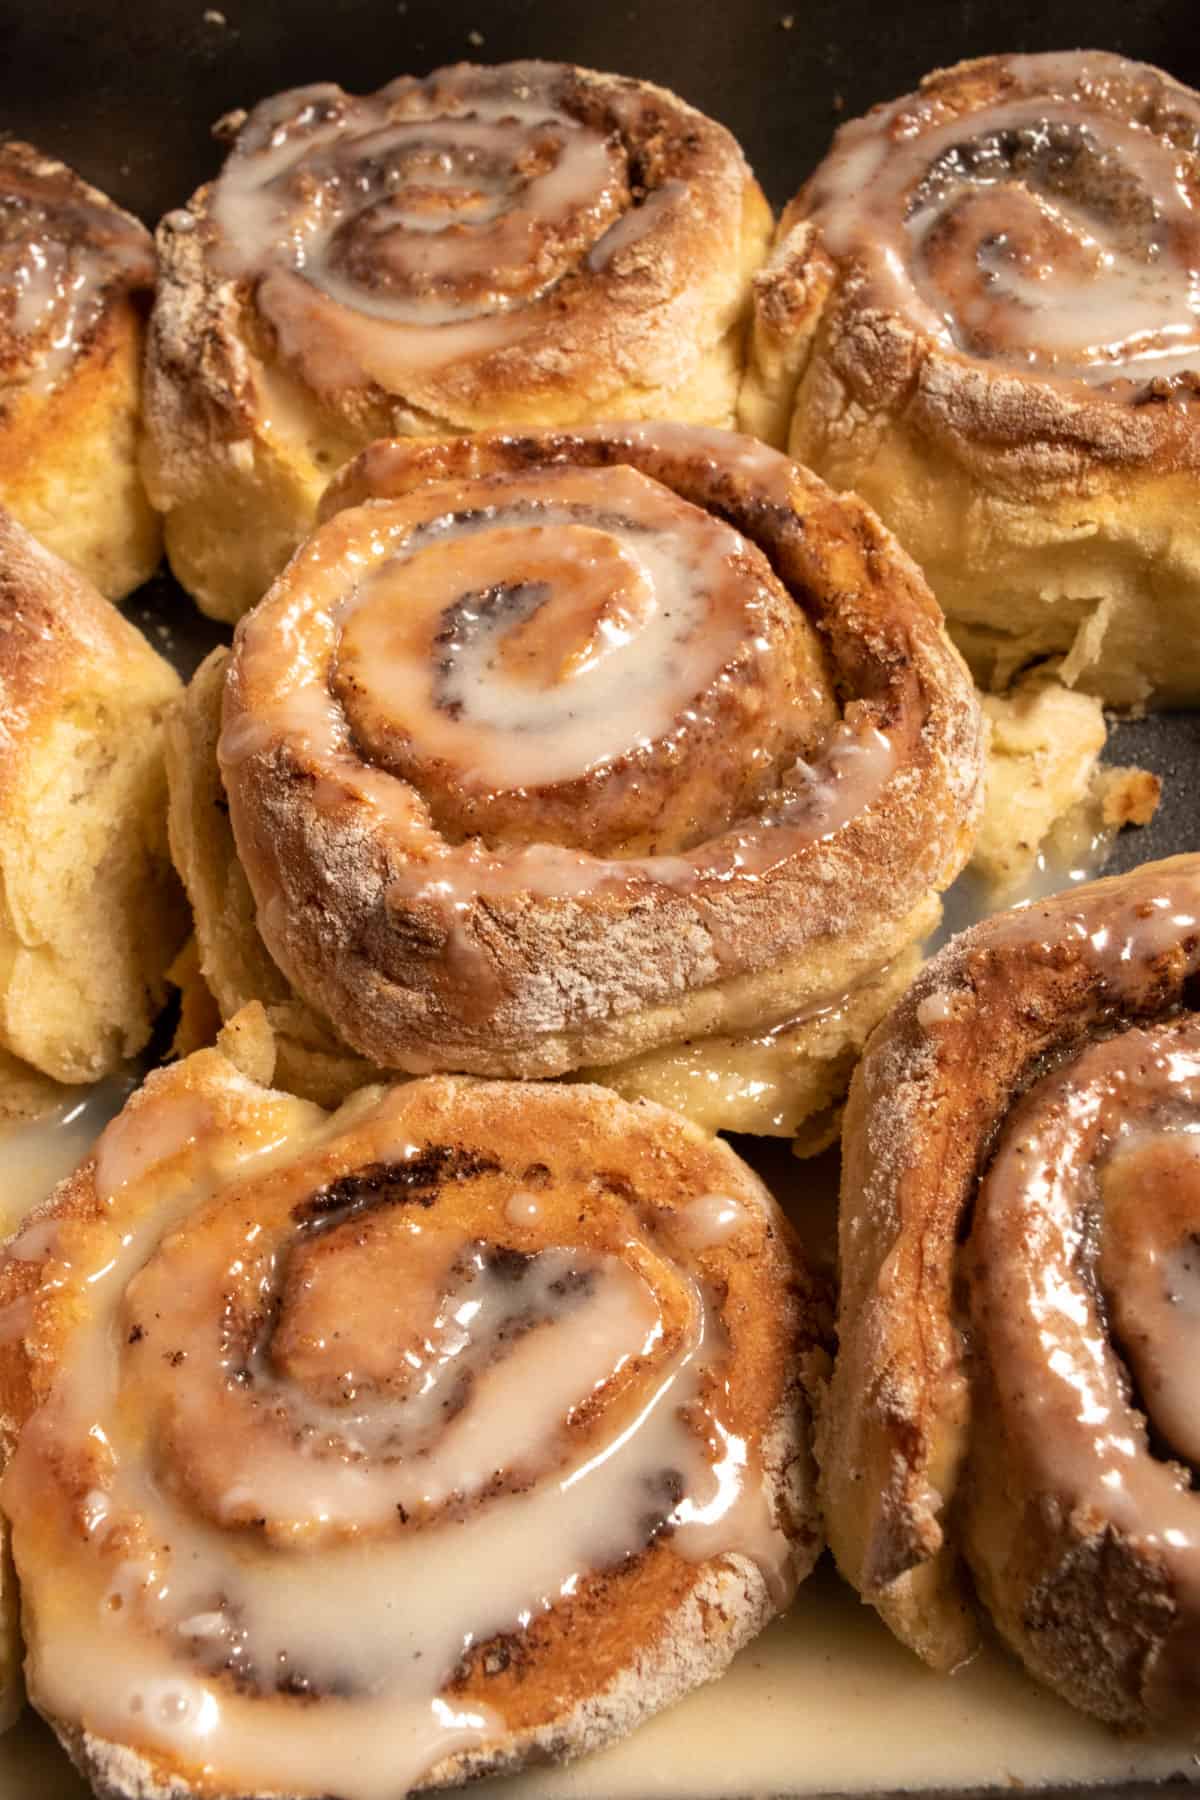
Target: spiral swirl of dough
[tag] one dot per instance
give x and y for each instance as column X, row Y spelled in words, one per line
column 389, row 1447
column 574, row 719
column 1038, row 1363
column 1046, row 224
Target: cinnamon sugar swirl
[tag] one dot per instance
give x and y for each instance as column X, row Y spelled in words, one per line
column 983, row 314
column 550, row 752
column 1015, row 1387
column 76, row 275
column 526, row 244
column 366, row 1452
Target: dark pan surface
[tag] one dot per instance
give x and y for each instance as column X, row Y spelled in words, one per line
column 128, row 93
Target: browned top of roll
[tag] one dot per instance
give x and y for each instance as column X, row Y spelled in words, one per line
column 1018, row 240
column 66, row 253
column 372, row 1451
column 970, row 1381
column 584, row 722
column 510, row 241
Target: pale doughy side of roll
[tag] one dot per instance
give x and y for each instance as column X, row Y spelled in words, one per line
column 787, row 1082
column 311, row 1059
column 90, row 912
column 241, row 444
column 70, row 413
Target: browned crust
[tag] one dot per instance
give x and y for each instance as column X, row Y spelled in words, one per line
column 636, row 1638
column 905, row 1423
column 628, row 963
column 311, row 1060
column 71, row 202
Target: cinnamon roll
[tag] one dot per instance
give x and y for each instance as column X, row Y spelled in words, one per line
column 76, row 275
column 526, row 244
column 90, row 910
column 981, row 314
column 564, row 749
column 363, row 1453
column 1014, row 1392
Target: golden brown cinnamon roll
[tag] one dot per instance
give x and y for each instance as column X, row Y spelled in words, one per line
column 76, row 275
column 90, row 910
column 361, row 1453
column 981, row 314
column 526, row 244
column 567, row 748
column 1015, row 1386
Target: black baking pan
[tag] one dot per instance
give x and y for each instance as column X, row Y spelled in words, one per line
column 128, row 94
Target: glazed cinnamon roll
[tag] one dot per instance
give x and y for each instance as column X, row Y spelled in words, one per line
column 981, row 314
column 362, row 1453
column 526, row 244
column 1015, row 1387
column 91, row 913
column 76, row 275
column 547, row 752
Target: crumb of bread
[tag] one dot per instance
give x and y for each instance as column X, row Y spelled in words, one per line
column 249, row 1043
column 1046, row 794
column 1127, row 796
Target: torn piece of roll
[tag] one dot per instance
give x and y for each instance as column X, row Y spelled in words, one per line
column 547, row 752
column 91, row 913
column 1015, row 1387
column 527, row 244
column 367, row 1452
column 981, row 315
column 76, row 276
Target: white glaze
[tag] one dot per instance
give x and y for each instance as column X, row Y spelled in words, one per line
column 36, row 1155
column 282, row 697
column 629, row 600
column 709, row 1220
